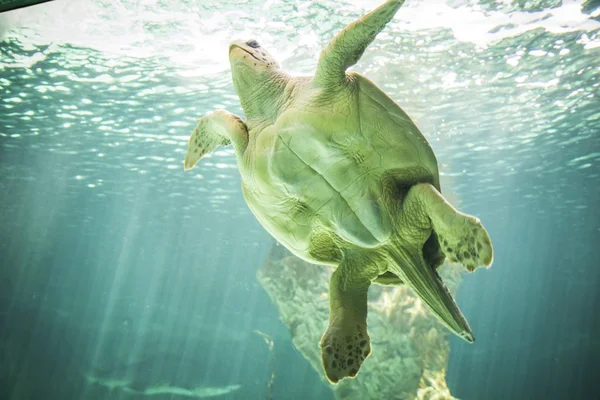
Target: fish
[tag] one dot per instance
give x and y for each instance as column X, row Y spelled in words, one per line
column 159, row 374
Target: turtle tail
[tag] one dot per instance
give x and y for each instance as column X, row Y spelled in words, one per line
column 411, row 267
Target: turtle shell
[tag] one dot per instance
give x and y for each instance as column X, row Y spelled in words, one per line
column 339, row 163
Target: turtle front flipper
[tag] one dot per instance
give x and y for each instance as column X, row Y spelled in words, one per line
column 219, row 128
column 349, row 45
column 346, row 343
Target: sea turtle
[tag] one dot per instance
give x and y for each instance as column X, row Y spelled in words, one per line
column 340, row 175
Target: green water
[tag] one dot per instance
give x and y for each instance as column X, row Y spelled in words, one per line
column 112, row 256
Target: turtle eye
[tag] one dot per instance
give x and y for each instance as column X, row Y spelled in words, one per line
column 253, row 43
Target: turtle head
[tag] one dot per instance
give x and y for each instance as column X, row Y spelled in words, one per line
column 249, row 55
column 254, row 71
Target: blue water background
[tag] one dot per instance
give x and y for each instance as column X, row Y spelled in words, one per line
column 111, row 253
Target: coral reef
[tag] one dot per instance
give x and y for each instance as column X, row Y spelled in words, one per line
column 410, row 347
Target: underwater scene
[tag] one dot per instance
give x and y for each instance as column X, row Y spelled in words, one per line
column 300, row 199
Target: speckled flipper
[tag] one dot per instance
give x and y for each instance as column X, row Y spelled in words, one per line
column 424, row 209
column 346, row 343
column 462, row 237
column 344, row 348
column 465, row 240
column 219, row 128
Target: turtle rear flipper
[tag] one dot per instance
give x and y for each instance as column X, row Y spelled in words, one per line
column 346, row 343
column 462, row 237
column 423, row 209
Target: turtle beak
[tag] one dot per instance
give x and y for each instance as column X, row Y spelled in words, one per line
column 239, row 44
column 251, row 47
column 236, row 43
